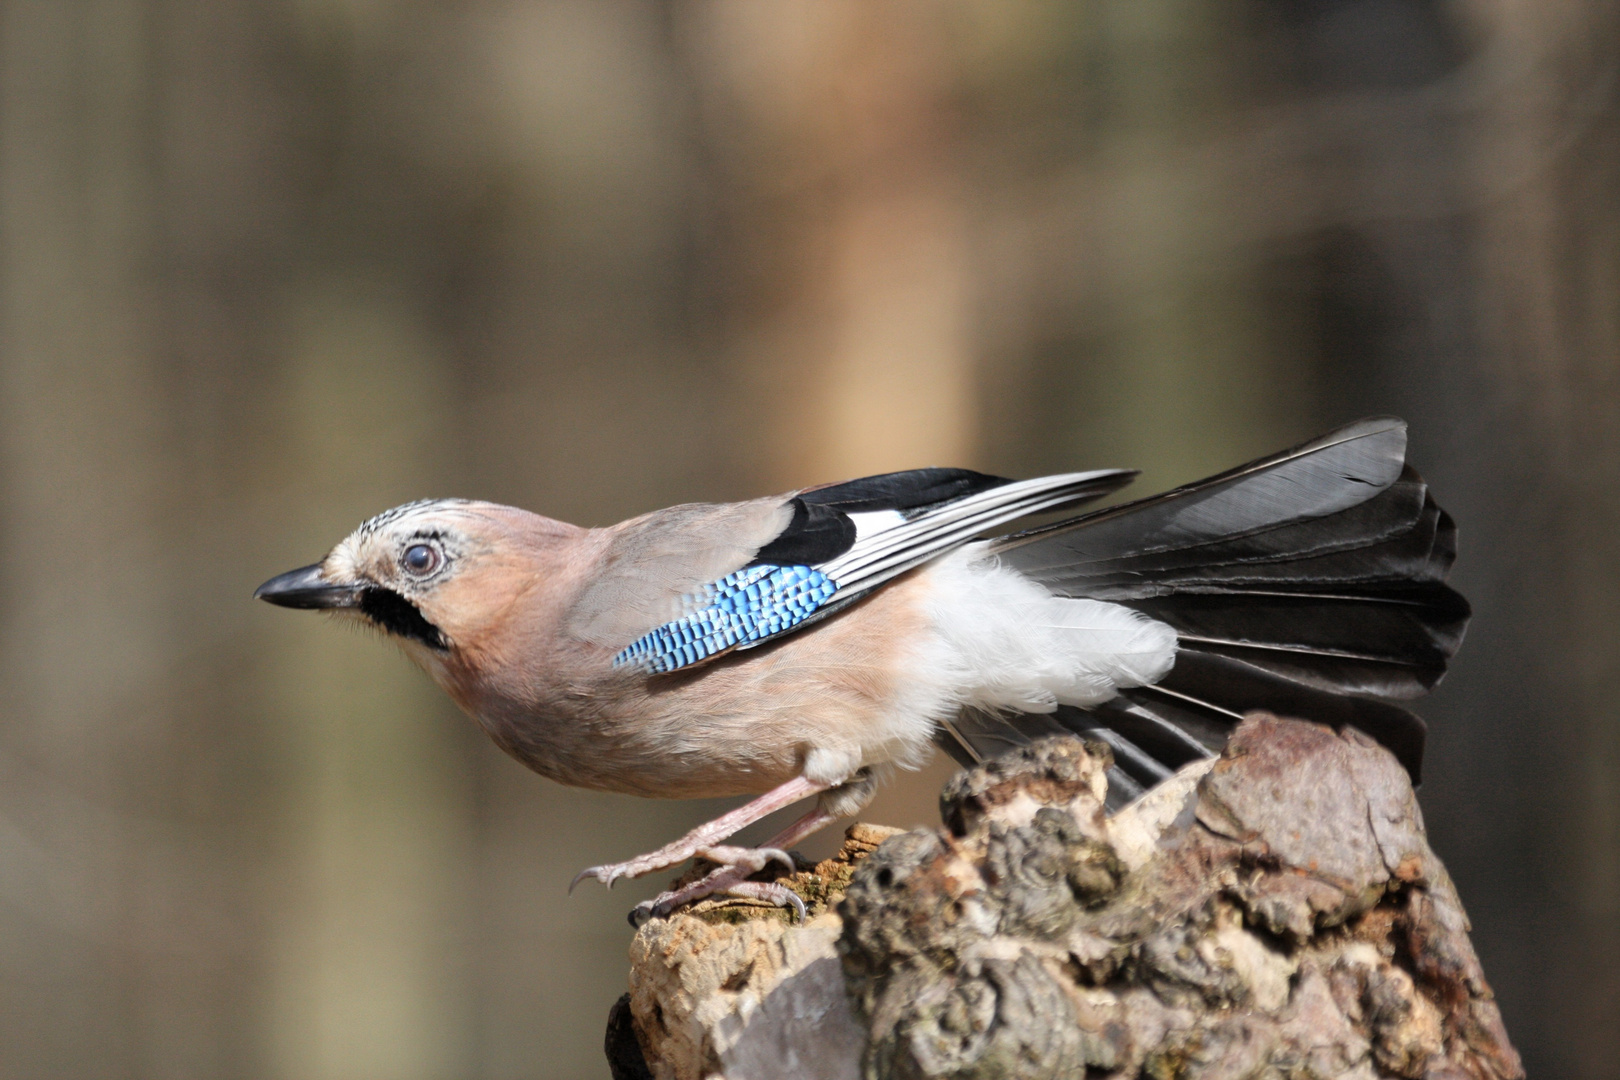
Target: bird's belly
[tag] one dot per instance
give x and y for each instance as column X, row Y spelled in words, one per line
column 667, row 750
column 864, row 687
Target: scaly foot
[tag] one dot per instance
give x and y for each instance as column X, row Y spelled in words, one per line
column 665, row 858
column 730, row 878
column 704, row 836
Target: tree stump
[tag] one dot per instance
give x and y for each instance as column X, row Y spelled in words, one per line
column 1273, row 913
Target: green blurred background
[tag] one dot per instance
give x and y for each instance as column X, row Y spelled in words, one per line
column 270, row 266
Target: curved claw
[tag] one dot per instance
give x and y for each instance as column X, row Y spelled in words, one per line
column 661, row 907
column 730, row 876
column 595, row 872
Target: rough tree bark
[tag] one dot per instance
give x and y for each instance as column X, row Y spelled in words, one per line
column 1275, row 913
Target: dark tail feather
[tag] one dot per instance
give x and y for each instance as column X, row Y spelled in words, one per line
column 1310, row 583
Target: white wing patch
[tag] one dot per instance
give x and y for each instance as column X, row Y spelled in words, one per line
column 886, row 552
column 868, row 523
column 728, row 613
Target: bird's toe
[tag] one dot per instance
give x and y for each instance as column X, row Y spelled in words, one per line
column 729, row 879
column 747, row 861
column 772, row 893
column 607, row 875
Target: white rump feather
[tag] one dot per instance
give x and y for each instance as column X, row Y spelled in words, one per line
column 1015, row 646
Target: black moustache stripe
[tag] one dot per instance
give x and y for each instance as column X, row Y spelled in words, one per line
column 399, row 616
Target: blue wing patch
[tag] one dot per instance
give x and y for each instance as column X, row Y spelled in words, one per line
column 739, row 609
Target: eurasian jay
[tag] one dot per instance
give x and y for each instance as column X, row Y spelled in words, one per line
column 806, row 644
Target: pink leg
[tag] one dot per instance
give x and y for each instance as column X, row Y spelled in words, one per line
column 812, row 822
column 732, row 880
column 739, row 865
column 706, row 835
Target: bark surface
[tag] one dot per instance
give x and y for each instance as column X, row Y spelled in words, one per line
column 1275, row 913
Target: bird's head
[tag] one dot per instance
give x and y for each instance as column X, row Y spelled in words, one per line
column 430, row 574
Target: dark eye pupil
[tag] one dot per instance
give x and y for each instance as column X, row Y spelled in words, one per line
column 419, row 558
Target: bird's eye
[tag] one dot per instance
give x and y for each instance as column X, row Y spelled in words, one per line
column 421, row 559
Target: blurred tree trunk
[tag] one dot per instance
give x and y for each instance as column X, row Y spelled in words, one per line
column 92, row 876
column 843, row 266
column 1547, row 156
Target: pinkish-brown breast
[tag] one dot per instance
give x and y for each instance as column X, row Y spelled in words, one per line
column 848, row 686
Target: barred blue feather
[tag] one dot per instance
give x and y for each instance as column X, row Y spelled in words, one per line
column 740, row 609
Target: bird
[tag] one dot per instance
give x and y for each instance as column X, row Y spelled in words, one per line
column 808, row 644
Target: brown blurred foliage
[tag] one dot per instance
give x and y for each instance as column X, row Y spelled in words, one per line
column 269, row 266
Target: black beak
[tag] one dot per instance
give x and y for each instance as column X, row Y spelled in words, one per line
column 305, row 588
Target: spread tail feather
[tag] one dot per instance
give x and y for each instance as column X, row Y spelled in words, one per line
column 1309, row 583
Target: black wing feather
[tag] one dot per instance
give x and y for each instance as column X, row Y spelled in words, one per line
column 1324, row 476
column 1205, row 680
column 821, row 529
column 816, row 533
column 910, row 492
column 1310, row 583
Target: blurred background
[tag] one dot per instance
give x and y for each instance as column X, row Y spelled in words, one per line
column 270, row 266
